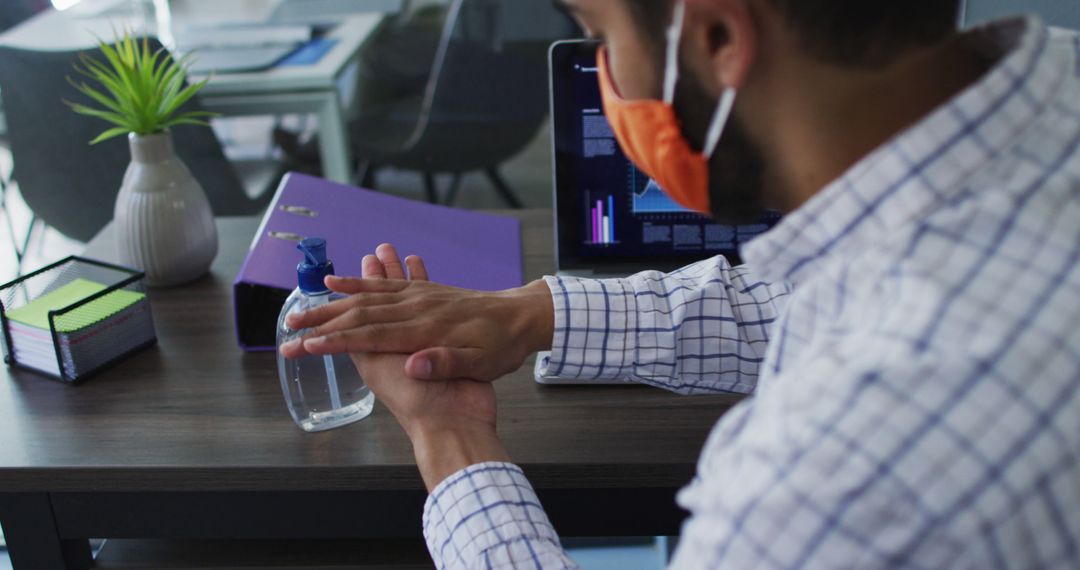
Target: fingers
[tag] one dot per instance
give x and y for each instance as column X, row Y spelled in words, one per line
column 450, row 364
column 392, row 337
column 390, row 261
column 354, row 285
column 293, row 349
column 416, row 267
column 359, row 316
column 372, row 268
column 381, row 275
column 390, row 265
column 323, row 313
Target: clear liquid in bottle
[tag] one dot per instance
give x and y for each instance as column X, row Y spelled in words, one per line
column 321, row 392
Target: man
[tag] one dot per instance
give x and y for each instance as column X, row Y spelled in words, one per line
column 908, row 330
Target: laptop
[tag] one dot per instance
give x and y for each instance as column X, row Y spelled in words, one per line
column 612, row 220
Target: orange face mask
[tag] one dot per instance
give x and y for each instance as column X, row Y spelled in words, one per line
column 650, row 133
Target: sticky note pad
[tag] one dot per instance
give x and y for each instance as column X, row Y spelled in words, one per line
column 36, row 312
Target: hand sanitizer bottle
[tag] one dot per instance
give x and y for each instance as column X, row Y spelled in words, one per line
column 322, row 392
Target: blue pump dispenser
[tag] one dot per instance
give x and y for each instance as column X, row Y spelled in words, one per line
column 311, row 273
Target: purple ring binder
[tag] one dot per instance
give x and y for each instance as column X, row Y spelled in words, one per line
column 461, row 248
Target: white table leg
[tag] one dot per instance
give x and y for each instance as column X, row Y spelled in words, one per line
column 326, row 105
column 334, row 140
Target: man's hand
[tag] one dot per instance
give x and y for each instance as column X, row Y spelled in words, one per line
column 449, row 332
column 450, row 422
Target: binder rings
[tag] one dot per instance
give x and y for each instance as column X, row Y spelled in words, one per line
column 466, row 249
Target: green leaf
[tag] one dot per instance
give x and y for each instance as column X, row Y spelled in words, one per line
column 183, row 97
column 185, row 121
column 111, row 133
column 161, row 62
column 113, row 118
column 174, row 80
column 138, row 89
column 118, row 66
column 101, row 73
column 98, row 96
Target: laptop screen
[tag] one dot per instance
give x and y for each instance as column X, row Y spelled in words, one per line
column 609, row 215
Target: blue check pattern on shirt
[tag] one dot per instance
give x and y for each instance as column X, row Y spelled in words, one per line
column 916, row 379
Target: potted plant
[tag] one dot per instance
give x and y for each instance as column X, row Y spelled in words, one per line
column 163, row 220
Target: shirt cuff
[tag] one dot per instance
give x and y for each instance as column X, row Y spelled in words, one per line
column 480, row 507
column 595, row 324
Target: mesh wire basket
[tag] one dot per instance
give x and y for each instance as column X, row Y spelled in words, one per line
column 74, row 318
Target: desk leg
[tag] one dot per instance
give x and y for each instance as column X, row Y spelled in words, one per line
column 334, row 140
column 32, row 538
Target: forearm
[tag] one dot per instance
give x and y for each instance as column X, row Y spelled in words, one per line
column 467, row 471
column 702, row 329
column 533, row 321
column 442, row 450
column 488, row 516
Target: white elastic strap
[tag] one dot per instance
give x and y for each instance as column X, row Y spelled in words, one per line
column 671, row 62
column 720, row 119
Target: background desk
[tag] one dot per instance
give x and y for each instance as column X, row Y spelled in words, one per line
column 191, row 439
column 315, row 88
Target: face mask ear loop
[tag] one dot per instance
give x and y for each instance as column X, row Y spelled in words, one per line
column 719, row 121
column 671, row 61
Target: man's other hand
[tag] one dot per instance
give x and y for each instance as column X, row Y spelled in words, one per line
column 451, row 423
column 448, row 332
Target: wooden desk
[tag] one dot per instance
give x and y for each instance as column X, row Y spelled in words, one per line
column 191, row 439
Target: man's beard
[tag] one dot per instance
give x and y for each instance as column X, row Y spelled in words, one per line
column 736, row 168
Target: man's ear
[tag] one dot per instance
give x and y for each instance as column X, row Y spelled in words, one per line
column 720, row 41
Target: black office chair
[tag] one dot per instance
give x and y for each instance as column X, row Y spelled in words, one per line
column 72, row 186
column 483, row 102
column 13, row 12
column 394, row 65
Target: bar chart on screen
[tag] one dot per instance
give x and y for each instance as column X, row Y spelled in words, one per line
column 601, row 216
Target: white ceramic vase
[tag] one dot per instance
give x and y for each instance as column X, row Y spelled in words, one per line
column 164, row 224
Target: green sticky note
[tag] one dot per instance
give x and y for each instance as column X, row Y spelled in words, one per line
column 36, row 312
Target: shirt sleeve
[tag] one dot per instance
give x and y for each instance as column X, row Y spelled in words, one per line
column 702, row 329
column 487, row 516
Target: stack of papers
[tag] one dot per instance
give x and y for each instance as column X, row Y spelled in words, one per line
column 87, row 337
column 239, row 47
column 328, row 13
column 241, row 35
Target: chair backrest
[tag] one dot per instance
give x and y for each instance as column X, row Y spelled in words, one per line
column 71, row 185
column 488, row 64
column 13, row 12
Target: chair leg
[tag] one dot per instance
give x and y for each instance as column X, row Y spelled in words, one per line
column 430, row 189
column 503, row 188
column 452, row 192
column 365, row 175
column 20, row 253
